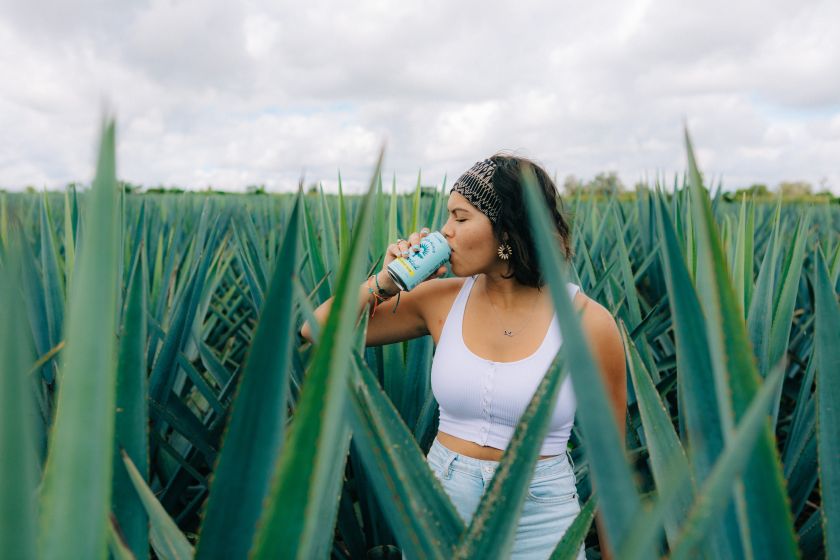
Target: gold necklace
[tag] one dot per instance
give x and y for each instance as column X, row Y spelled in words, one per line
column 510, row 333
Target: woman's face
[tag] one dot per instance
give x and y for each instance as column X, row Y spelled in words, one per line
column 470, row 236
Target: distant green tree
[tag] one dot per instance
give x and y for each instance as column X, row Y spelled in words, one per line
column 255, row 189
column 572, row 185
column 605, row 184
column 759, row 190
column 795, row 188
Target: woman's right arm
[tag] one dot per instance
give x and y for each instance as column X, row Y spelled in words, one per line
column 387, row 326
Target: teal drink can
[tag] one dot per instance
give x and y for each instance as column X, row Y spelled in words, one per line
column 408, row 272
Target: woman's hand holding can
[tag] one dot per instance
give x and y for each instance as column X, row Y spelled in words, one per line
column 403, row 249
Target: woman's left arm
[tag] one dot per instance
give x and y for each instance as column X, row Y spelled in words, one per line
column 608, row 350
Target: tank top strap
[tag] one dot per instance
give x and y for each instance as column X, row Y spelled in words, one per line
column 573, row 289
column 460, row 304
column 455, row 318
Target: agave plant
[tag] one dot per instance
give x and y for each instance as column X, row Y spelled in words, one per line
column 154, row 395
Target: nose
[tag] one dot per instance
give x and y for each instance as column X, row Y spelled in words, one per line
column 445, row 231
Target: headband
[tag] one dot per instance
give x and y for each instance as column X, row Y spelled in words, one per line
column 477, row 187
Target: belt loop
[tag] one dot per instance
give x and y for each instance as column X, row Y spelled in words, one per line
column 446, row 468
column 571, row 461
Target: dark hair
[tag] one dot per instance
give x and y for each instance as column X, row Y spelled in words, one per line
column 513, row 217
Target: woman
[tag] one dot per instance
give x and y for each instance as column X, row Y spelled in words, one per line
column 495, row 333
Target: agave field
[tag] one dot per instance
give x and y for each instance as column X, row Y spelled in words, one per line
column 157, row 401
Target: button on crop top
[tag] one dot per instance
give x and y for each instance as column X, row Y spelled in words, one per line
column 481, row 400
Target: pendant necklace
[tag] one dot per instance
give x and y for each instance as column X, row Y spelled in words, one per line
column 511, row 333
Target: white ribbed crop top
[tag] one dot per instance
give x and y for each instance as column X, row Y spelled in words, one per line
column 481, row 400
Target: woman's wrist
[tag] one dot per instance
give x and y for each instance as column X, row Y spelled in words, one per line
column 385, row 285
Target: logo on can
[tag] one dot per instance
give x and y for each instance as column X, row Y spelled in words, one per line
column 408, row 272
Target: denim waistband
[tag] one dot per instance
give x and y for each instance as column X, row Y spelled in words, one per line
column 543, row 467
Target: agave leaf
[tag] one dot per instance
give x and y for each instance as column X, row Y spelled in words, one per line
column 78, row 471
column 164, row 372
column 254, row 440
column 604, row 448
column 569, row 545
column 589, row 278
column 417, row 382
column 698, row 406
column 157, row 269
column 741, row 270
column 765, row 500
column 786, row 298
column 343, row 226
column 438, row 216
column 417, row 508
column 663, row 443
column 827, row 354
column 51, row 273
column 393, row 230
column 301, row 498
column 834, row 270
column 716, row 489
column 180, row 417
column 627, row 276
column 393, row 365
column 380, row 223
column 4, row 222
column 648, row 523
column 131, row 418
column 811, row 536
column 601, row 237
column 255, row 288
column 168, row 541
column 19, row 466
column 116, row 542
column 328, row 238
column 69, row 236
column 213, row 364
column 415, row 214
column 316, row 260
column 804, row 412
column 201, row 384
column 760, row 316
column 36, row 310
column 803, row 471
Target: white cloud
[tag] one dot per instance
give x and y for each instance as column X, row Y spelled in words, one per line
column 231, row 94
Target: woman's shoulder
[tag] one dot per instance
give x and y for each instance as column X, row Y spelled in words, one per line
column 440, row 287
column 594, row 315
column 600, row 326
column 436, row 296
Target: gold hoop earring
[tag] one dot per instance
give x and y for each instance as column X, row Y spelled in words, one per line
column 505, row 251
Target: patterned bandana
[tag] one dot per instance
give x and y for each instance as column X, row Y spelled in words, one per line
column 476, row 185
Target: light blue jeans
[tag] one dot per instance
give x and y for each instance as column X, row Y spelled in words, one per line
column 550, row 505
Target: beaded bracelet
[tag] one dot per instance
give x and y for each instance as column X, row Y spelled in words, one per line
column 378, row 298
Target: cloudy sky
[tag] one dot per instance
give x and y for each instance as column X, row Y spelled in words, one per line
column 221, row 93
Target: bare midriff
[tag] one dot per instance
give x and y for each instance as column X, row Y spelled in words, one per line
column 472, row 449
